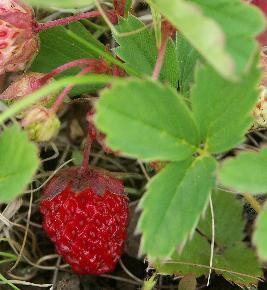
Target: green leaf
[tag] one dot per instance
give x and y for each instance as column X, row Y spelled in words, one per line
column 232, row 258
column 196, row 251
column 260, row 237
column 139, row 50
column 147, row 120
column 128, row 6
column 187, row 59
column 223, row 31
column 229, row 223
column 173, row 204
column 58, row 48
column 61, row 3
column 241, row 262
column 230, row 253
column 246, row 173
column 223, row 109
column 18, row 162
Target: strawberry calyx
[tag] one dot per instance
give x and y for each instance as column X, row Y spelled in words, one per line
column 78, row 179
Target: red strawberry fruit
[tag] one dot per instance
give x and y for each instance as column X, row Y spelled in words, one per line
column 85, row 214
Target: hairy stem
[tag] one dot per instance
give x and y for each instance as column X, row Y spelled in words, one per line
column 67, row 66
column 65, row 92
column 91, row 136
column 67, row 20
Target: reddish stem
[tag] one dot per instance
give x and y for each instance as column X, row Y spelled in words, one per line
column 161, row 56
column 64, row 21
column 91, row 136
column 167, row 31
column 92, row 65
column 66, row 66
column 60, row 99
column 119, row 6
column 65, row 92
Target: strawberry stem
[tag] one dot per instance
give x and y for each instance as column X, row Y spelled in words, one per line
column 67, row 20
column 86, row 152
column 167, row 31
column 65, row 92
column 91, row 136
column 160, row 59
column 91, row 65
column 67, row 66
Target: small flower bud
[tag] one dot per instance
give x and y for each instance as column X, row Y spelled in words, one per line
column 40, row 124
column 18, row 41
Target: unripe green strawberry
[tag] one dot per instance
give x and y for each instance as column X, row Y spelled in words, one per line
column 40, row 124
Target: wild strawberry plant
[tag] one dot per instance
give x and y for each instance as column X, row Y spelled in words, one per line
column 182, row 94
